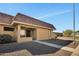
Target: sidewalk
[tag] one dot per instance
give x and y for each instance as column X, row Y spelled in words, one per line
column 76, row 52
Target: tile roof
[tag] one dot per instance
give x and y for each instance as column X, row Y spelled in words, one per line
column 5, row 18
column 27, row 19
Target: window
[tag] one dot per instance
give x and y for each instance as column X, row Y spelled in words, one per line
column 22, row 33
column 8, row 29
column 28, row 33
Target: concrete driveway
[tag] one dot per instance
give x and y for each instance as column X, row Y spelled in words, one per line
column 33, row 48
column 68, row 43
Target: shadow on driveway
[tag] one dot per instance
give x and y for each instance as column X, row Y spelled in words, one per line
column 68, row 43
column 59, row 41
column 33, row 47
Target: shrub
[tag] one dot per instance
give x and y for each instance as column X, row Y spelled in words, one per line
column 5, row 38
column 1, row 38
column 67, row 33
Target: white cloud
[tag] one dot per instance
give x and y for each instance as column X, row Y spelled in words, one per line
column 54, row 14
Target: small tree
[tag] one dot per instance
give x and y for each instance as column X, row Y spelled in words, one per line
column 77, row 31
column 67, row 33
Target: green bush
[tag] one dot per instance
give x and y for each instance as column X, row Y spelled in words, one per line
column 5, row 38
column 1, row 38
column 67, row 33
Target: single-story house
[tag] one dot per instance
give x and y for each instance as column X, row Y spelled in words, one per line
column 76, row 34
column 25, row 28
column 58, row 34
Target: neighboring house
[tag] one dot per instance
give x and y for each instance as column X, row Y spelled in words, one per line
column 54, row 36
column 58, row 34
column 25, row 28
column 76, row 34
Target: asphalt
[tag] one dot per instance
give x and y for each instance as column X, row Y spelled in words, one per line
column 56, row 46
column 32, row 47
column 68, row 43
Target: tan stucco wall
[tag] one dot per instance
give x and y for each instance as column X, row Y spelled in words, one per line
column 25, row 39
column 43, row 34
column 10, row 33
column 17, row 33
column 53, row 35
column 1, row 29
column 38, row 33
column 6, row 32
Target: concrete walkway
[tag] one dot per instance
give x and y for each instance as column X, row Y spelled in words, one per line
column 56, row 46
column 76, row 52
column 65, row 38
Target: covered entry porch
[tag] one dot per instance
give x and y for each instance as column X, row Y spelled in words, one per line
column 25, row 34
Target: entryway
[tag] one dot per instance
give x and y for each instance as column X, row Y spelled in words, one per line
column 27, row 34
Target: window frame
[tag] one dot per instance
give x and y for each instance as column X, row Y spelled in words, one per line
column 11, row 29
column 28, row 33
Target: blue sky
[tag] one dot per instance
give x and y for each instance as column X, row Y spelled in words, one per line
column 60, row 15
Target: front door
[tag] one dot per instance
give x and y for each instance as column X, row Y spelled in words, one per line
column 31, row 34
column 28, row 33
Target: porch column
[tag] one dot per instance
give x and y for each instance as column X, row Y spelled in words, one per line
column 50, row 34
column 18, row 33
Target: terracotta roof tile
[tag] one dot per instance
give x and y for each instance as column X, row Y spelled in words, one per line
column 5, row 18
column 27, row 19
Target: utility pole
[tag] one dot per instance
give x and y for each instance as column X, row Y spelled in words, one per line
column 74, row 22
